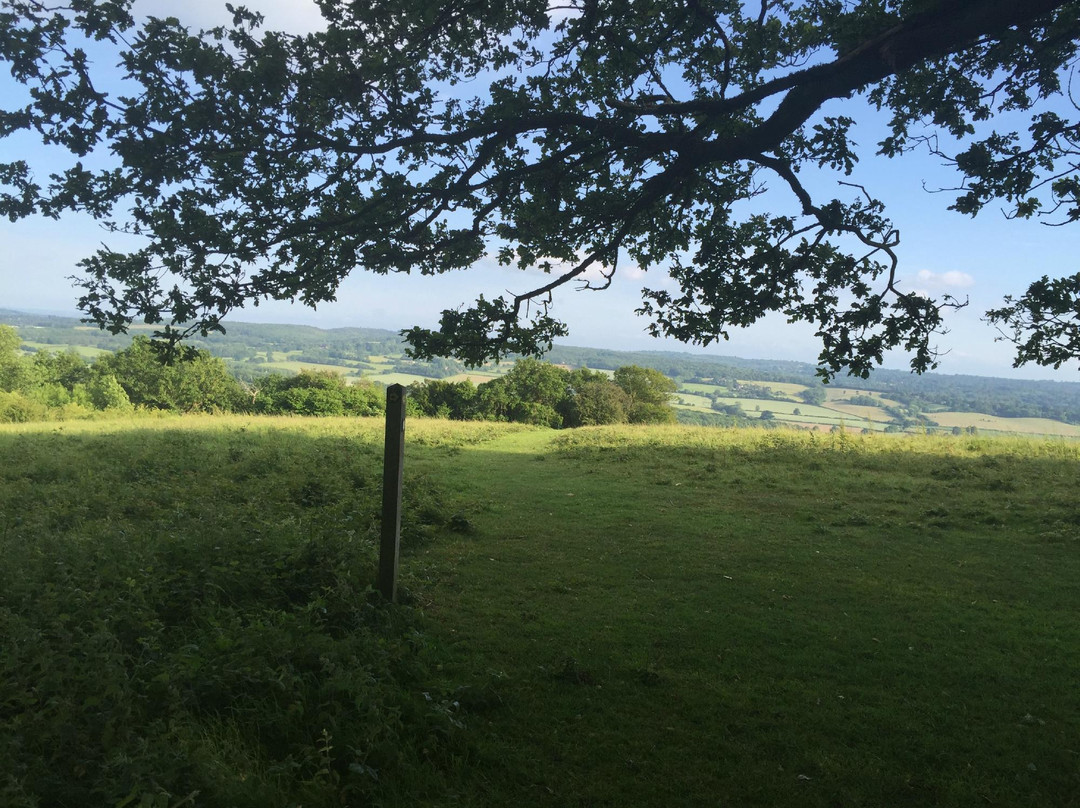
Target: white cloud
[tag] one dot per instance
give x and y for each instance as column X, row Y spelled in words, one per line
column 293, row 16
column 953, row 279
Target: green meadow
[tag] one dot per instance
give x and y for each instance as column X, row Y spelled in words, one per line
column 595, row 617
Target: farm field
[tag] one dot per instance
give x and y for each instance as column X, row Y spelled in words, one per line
column 475, row 378
column 395, row 378
column 604, row 616
column 379, row 356
column 861, row 412
column 85, row 351
column 294, row 366
column 835, row 411
column 1030, row 426
column 699, row 387
column 781, row 388
column 851, row 416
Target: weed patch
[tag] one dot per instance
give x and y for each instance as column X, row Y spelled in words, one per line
column 187, row 614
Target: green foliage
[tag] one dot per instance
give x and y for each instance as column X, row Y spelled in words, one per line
column 14, row 370
column 198, row 382
column 443, row 399
column 106, row 393
column 536, row 390
column 316, row 393
column 397, row 139
column 864, row 401
column 598, row 401
column 539, row 393
column 17, row 408
column 9, row 344
column 649, row 393
column 186, row 609
column 64, row 368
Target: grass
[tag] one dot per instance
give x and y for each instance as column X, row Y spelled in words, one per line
column 861, row 412
column 294, row 366
column 1028, row 426
column 475, row 378
column 781, row 388
column 610, row 616
column 85, row 351
column 772, row 619
column 186, row 614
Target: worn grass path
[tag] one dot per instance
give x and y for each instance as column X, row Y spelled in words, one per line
column 688, row 618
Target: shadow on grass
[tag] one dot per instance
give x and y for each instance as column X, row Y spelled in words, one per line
column 613, row 617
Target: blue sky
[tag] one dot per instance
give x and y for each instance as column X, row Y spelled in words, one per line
column 982, row 259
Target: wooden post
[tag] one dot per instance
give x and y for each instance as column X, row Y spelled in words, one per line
column 393, row 460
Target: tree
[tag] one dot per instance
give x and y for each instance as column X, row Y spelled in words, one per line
column 644, row 385
column 316, row 392
column 14, row 369
column 106, row 393
column 65, row 368
column 649, row 392
column 420, row 136
column 200, row 383
column 442, row 399
column 535, row 392
column 595, row 402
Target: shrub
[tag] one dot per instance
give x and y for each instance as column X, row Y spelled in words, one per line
column 16, row 408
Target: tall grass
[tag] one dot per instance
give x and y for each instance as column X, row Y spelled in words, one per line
column 186, row 612
column 610, row 616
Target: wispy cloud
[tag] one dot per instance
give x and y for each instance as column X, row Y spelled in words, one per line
column 952, row 279
column 294, row 16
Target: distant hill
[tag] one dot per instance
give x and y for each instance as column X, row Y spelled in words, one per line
column 256, row 347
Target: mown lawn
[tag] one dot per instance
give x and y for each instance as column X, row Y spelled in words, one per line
column 599, row 617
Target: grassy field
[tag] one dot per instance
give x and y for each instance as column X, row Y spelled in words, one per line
column 780, row 388
column 395, row 378
column 475, row 378
column 85, row 351
column 293, row 366
column 596, row 617
column 861, row 412
column 1026, row 426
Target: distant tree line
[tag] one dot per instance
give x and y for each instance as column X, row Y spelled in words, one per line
column 246, row 343
column 536, row 392
column 62, row 385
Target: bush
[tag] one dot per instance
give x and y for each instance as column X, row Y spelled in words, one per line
column 106, row 393
column 317, row 393
column 16, row 408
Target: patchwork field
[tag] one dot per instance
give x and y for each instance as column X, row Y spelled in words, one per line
column 85, row 351
column 610, row 616
column 475, row 378
column 287, row 366
column 1028, row 426
column 395, row 378
column 861, row 412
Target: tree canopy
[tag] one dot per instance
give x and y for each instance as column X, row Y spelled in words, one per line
column 576, row 137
